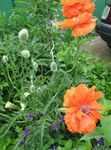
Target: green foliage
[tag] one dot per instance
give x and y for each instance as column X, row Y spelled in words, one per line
column 70, row 144
column 46, row 43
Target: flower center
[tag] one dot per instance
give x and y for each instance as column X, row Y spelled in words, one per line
column 85, row 109
column 76, row 19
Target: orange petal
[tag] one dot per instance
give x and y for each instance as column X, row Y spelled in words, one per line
column 77, row 8
column 96, row 96
column 69, row 23
column 96, row 106
column 87, row 124
column 83, row 30
column 68, row 97
column 68, row 2
column 71, row 122
column 80, row 92
column 95, row 115
column 79, row 114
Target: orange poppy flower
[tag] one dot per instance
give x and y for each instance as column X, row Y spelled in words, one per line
column 82, row 109
column 77, row 8
column 81, row 25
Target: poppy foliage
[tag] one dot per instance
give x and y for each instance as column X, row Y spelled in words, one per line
column 82, row 109
column 79, row 17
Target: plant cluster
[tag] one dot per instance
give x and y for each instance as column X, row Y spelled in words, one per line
column 46, row 80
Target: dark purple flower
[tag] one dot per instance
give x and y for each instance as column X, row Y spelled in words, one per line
column 50, row 22
column 62, row 34
column 54, row 127
column 62, row 119
column 23, row 143
column 26, row 132
column 77, row 148
column 30, row 116
column 54, row 147
column 100, row 141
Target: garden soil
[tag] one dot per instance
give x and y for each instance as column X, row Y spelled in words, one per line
column 98, row 48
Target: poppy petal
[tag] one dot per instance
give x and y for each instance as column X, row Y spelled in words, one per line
column 83, row 29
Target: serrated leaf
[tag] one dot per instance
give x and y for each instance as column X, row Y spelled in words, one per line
column 107, row 104
column 96, row 134
column 106, row 129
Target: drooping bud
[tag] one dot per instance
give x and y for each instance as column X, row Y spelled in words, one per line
column 25, row 53
column 32, row 88
column 4, row 59
column 10, row 105
column 23, row 35
column 38, row 89
column 23, row 106
column 53, row 66
column 26, row 94
column 34, row 64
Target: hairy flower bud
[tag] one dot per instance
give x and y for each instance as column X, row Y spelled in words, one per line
column 4, row 59
column 26, row 94
column 53, row 66
column 10, row 105
column 34, row 64
column 32, row 88
column 25, row 53
column 23, row 106
column 23, row 35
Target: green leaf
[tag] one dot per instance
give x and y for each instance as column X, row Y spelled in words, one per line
column 82, row 145
column 68, row 145
column 106, row 129
column 107, row 104
column 96, row 134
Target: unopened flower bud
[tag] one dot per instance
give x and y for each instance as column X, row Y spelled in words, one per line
column 23, row 35
column 38, row 89
column 35, row 65
column 23, row 106
column 4, row 59
column 26, row 94
column 32, row 88
column 25, row 53
column 53, row 66
column 10, row 105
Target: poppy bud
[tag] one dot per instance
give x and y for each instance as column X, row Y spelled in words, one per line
column 4, row 59
column 26, row 94
column 23, row 35
column 53, row 66
column 25, row 53
column 35, row 65
column 23, row 106
column 10, row 105
column 32, row 88
column 39, row 89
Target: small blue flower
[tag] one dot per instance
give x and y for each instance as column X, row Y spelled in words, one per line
column 50, row 22
column 26, row 132
column 54, row 127
column 100, row 141
column 62, row 119
column 53, row 148
column 30, row 116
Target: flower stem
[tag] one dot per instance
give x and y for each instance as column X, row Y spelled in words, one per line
column 75, row 54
